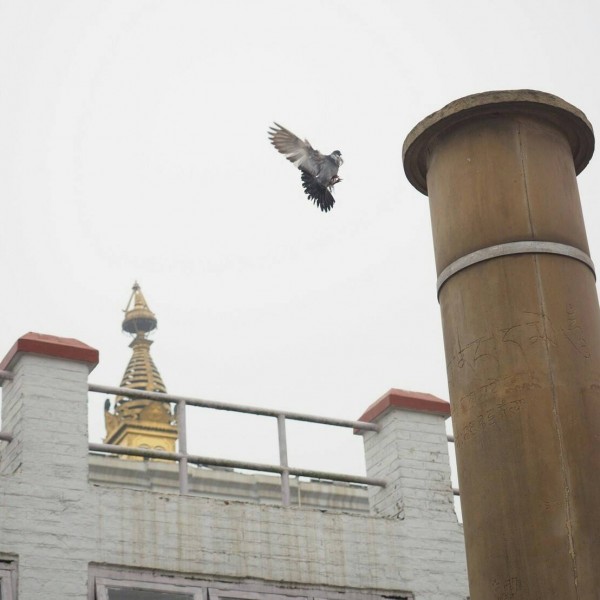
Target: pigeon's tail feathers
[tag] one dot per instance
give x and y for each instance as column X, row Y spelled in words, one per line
column 320, row 195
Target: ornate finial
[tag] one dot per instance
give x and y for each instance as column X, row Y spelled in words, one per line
column 139, row 319
column 140, row 422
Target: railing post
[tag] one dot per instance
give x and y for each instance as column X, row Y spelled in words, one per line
column 283, row 461
column 182, row 435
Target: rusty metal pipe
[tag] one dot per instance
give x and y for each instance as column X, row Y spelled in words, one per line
column 521, row 335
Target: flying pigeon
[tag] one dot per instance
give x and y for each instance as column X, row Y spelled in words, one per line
column 319, row 171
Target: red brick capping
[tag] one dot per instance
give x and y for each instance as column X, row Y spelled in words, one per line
column 51, row 345
column 403, row 400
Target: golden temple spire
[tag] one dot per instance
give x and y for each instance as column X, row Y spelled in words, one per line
column 141, row 372
column 138, row 422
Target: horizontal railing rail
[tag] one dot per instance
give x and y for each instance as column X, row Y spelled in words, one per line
column 241, row 408
column 233, row 464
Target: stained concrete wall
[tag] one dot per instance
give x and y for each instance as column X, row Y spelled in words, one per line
column 55, row 523
column 227, row 484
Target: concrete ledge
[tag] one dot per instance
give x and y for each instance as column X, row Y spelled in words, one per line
column 52, row 346
column 403, row 400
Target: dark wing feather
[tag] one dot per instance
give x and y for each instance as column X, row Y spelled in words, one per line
column 319, row 194
column 297, row 151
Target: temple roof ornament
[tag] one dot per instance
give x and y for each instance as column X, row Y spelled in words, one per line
column 139, row 422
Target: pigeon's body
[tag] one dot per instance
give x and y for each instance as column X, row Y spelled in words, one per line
column 319, row 171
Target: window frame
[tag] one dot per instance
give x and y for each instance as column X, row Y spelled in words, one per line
column 8, row 580
column 208, row 588
column 101, row 585
column 232, row 593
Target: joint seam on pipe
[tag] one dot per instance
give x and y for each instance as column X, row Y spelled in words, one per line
column 527, row 247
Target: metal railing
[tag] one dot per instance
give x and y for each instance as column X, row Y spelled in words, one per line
column 184, row 458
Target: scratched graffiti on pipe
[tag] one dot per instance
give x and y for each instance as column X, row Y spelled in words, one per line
column 501, row 367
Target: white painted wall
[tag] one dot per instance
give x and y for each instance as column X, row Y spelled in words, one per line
column 56, row 523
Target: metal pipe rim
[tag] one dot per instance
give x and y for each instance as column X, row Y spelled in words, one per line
column 532, row 103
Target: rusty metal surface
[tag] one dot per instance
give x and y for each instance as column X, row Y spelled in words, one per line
column 522, row 343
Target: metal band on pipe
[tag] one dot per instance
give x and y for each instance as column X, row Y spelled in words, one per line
column 512, row 248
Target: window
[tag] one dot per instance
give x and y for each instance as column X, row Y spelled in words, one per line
column 217, row 594
column 8, row 583
column 122, row 589
column 116, row 584
column 131, row 594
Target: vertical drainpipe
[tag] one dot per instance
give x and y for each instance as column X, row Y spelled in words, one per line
column 521, row 324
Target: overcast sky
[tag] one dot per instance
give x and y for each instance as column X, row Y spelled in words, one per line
column 133, row 146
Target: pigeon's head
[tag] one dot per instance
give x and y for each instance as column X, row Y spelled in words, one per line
column 337, row 157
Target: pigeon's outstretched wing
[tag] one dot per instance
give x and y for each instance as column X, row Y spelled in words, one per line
column 319, row 172
column 320, row 195
column 297, row 151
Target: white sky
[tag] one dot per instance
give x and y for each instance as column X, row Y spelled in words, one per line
column 133, row 145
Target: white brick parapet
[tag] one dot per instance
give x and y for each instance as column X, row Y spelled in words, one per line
column 44, row 406
column 411, row 453
column 43, row 471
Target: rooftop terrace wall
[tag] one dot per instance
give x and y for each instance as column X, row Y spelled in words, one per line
column 56, row 526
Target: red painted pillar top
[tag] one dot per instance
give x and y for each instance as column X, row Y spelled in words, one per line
column 404, row 400
column 51, row 346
